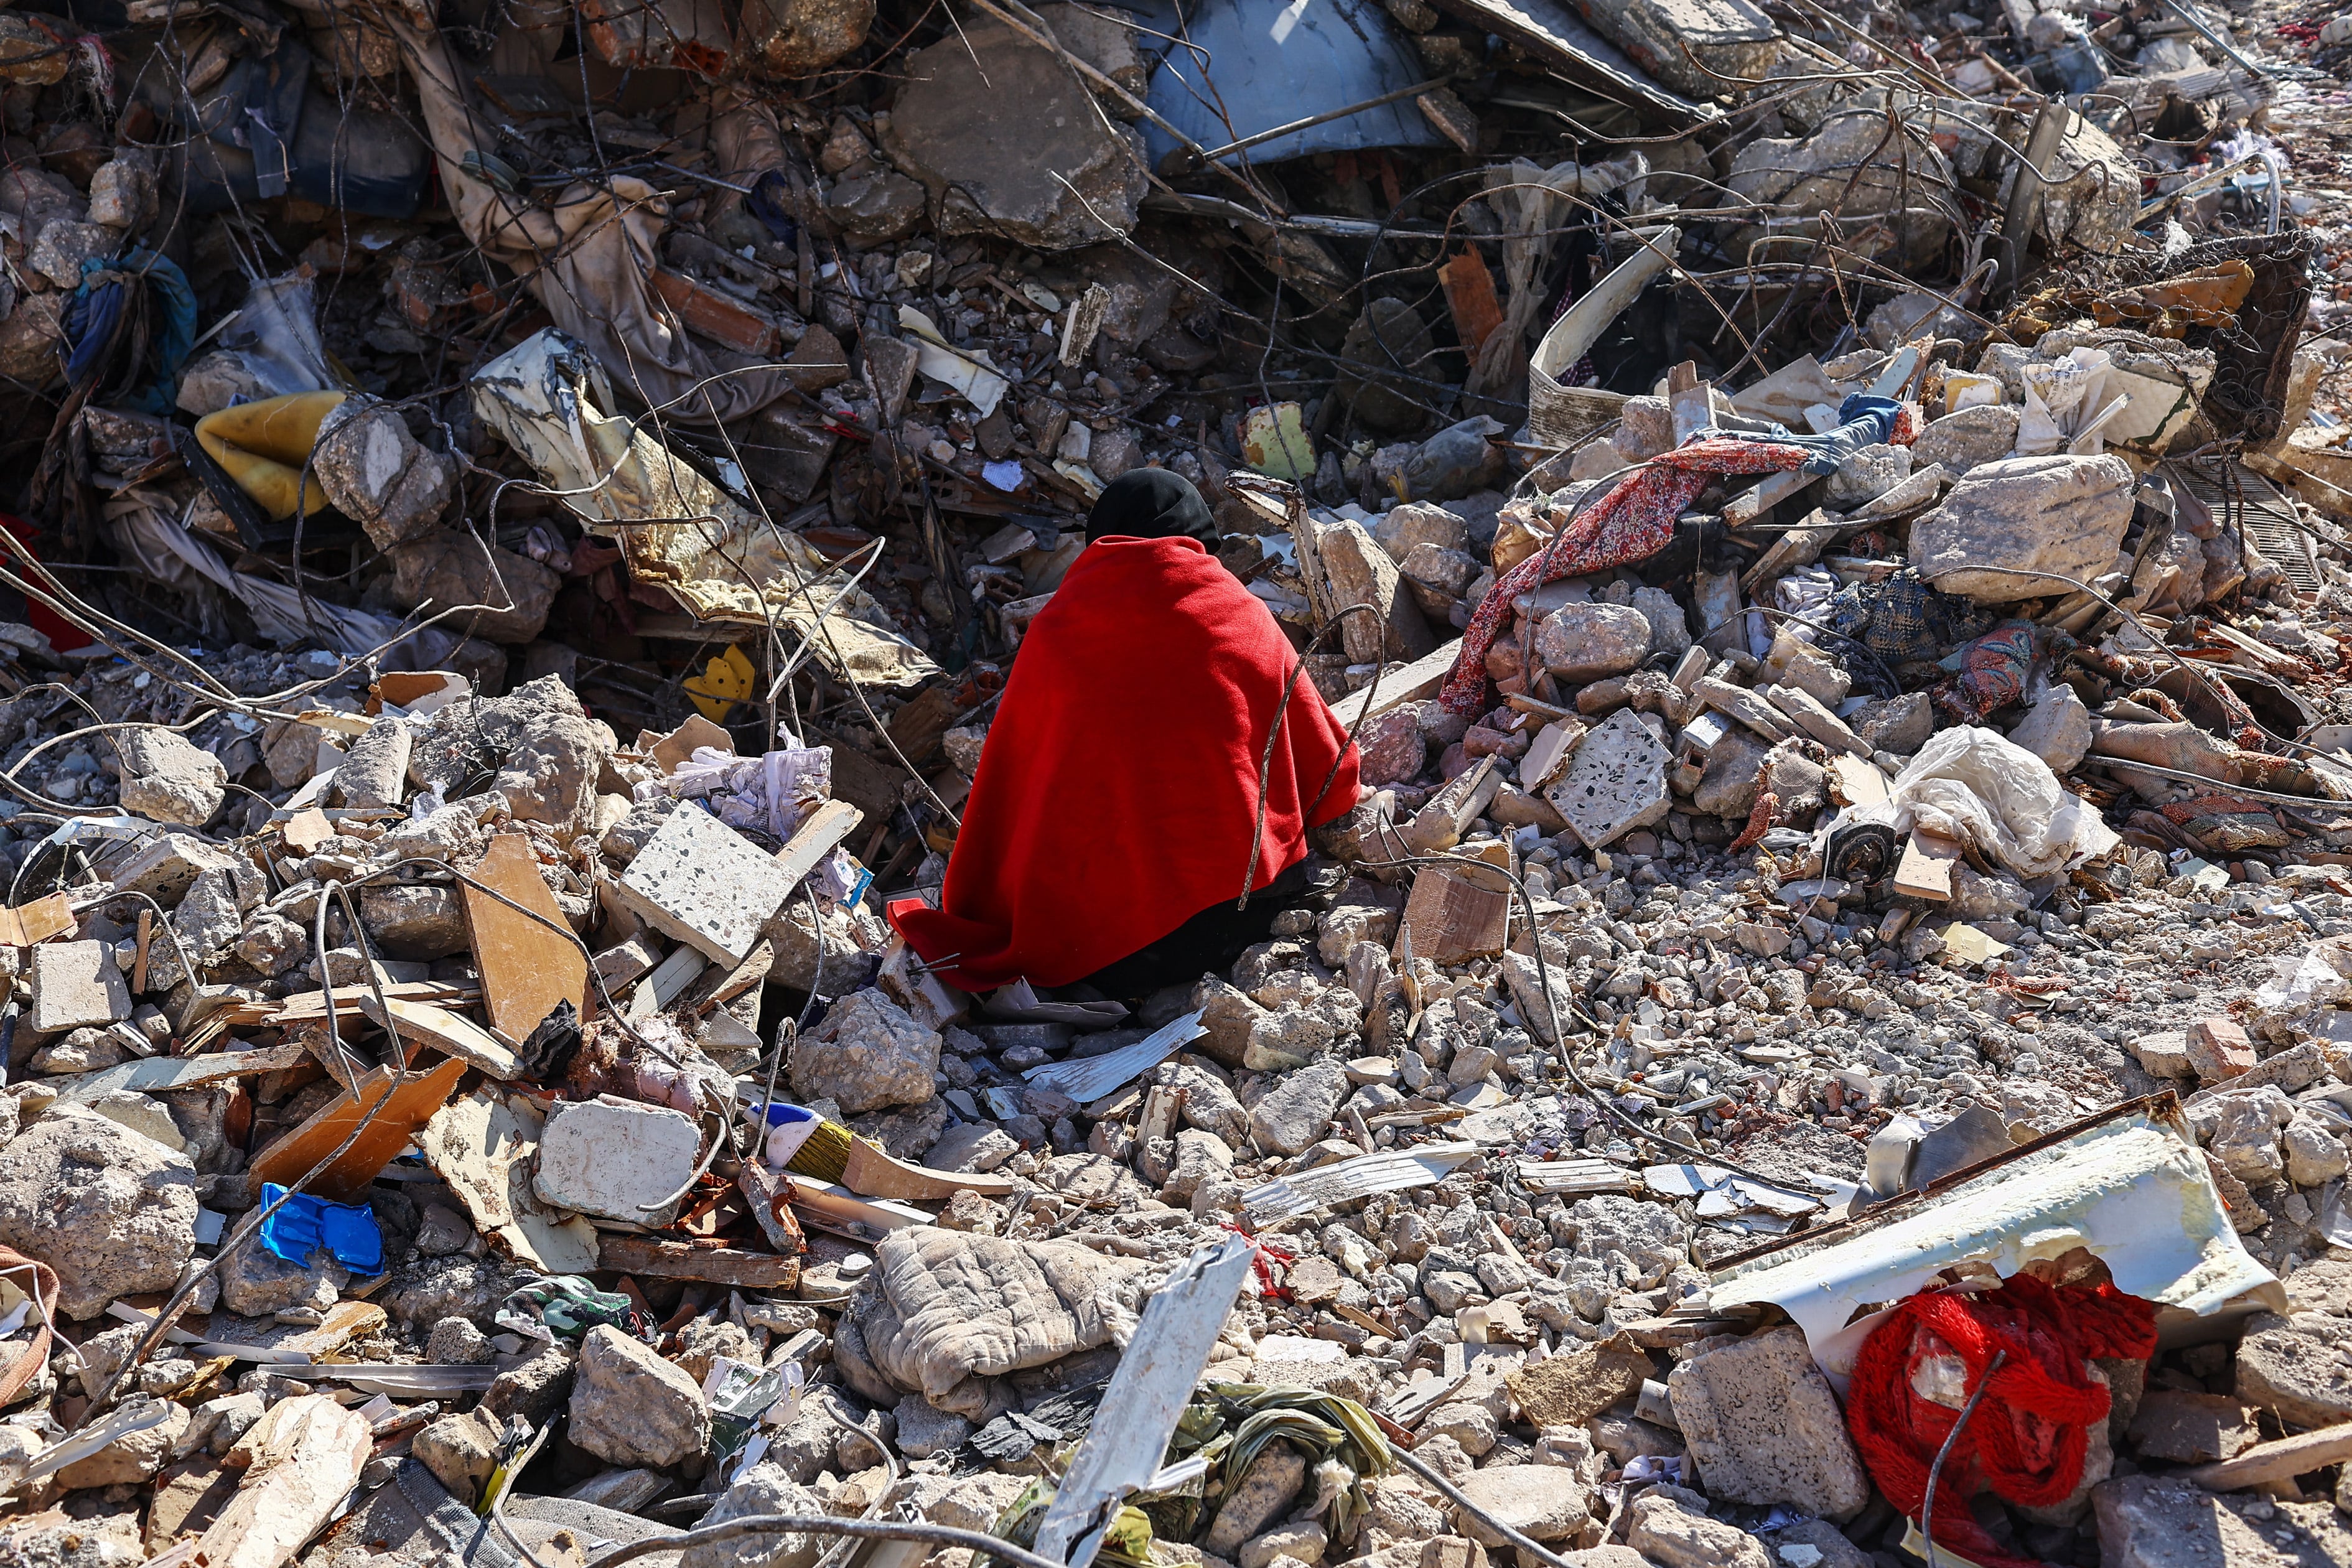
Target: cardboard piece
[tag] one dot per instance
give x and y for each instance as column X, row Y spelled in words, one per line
column 1926, row 870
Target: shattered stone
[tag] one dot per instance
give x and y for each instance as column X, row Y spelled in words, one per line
column 994, row 174
column 112, row 1212
column 1580, row 643
column 2018, row 527
column 868, row 1054
column 1674, row 1534
column 1967, row 438
column 376, row 472
column 629, row 1407
column 166, row 779
column 1762, row 1421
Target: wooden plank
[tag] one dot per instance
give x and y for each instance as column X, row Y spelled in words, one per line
column 1416, row 681
column 2280, row 1459
column 1857, row 780
column 1450, row 916
column 449, row 1033
column 730, row 1266
column 301, row 1460
column 1691, row 399
column 26, row 924
column 1470, row 295
column 310, row 1006
column 1748, row 505
column 529, row 966
column 409, row 1108
column 817, row 838
column 1926, row 870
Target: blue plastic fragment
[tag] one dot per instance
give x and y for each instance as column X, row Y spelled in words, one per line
column 346, row 1232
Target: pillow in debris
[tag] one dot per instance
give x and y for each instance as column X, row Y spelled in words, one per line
column 944, row 1311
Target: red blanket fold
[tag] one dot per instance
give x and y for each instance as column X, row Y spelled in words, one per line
column 1118, row 791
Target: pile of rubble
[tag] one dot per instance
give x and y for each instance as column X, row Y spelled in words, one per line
column 527, row 513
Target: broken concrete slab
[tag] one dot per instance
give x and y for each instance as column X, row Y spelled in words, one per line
column 1765, row 1427
column 869, row 1054
column 702, row 883
column 1360, row 572
column 2020, row 527
column 992, row 173
column 1579, row 643
column 629, row 1407
column 166, row 779
column 1616, row 782
column 76, row 984
column 2191, row 1428
column 617, row 1159
column 112, row 1211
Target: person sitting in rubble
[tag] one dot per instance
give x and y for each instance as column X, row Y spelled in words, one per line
column 1117, row 815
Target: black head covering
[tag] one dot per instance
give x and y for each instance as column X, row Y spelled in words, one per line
column 1152, row 504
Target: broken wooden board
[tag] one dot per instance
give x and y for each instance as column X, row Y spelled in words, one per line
column 1926, row 869
column 875, row 1172
column 1416, row 681
column 161, row 1075
column 1691, row 400
column 730, row 1266
column 310, row 1006
column 301, row 1460
column 1456, row 913
column 816, row 838
column 448, row 1033
column 407, row 1107
column 528, row 964
column 24, row 925
column 483, row 1146
column 1802, row 545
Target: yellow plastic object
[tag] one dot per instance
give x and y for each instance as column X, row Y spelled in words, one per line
column 724, row 682
column 264, row 445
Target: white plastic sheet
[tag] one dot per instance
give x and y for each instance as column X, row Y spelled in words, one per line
column 1976, row 785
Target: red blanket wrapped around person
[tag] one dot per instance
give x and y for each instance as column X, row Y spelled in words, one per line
column 1117, row 790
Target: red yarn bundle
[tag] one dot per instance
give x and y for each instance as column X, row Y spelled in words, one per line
column 2027, row 1439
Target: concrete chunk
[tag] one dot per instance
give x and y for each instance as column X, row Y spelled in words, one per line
column 1617, row 782
column 1361, row 574
column 166, row 779
column 609, row 1157
column 995, row 174
column 2191, row 1428
column 701, row 881
column 2298, row 1368
column 1586, row 642
column 1543, row 1502
column 1765, row 1427
column 74, row 985
column 2009, row 522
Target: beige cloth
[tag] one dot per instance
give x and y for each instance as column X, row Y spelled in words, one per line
column 590, row 258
